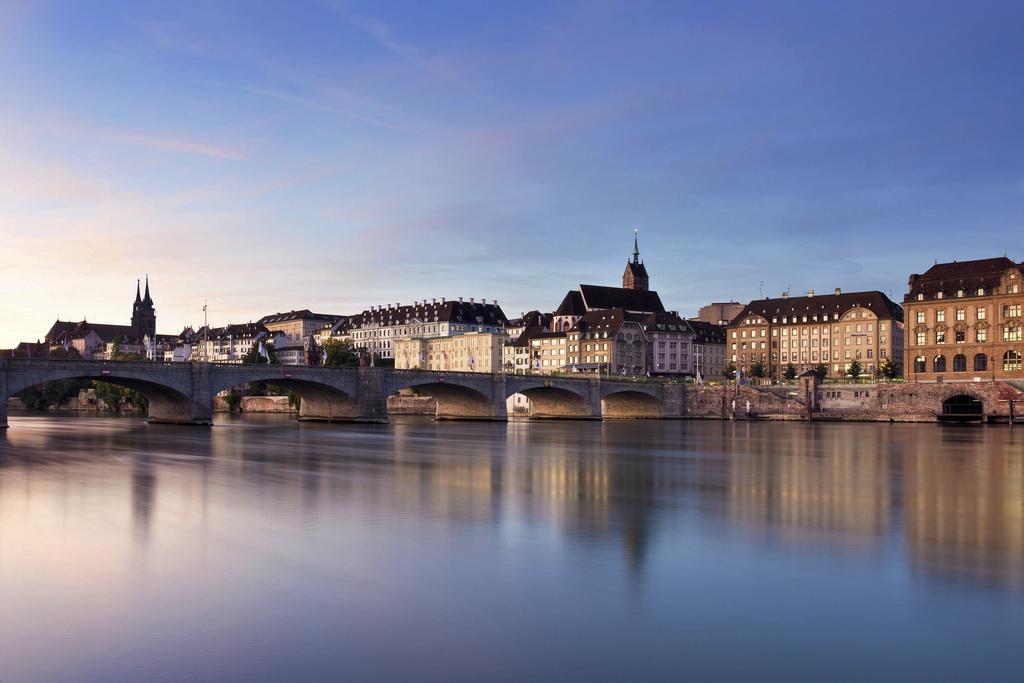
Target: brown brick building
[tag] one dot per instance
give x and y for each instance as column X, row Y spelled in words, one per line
column 832, row 330
column 964, row 322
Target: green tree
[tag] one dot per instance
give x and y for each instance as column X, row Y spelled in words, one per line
column 253, row 357
column 234, row 400
column 71, row 353
column 730, row 371
column 340, row 354
column 790, row 371
column 855, row 370
column 821, row 370
column 120, row 398
column 758, row 370
column 889, row 369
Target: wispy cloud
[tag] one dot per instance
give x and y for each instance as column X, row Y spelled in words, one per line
column 381, row 32
column 176, row 145
column 320, row 106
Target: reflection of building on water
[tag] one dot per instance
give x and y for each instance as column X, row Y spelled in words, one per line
column 964, row 507
column 796, row 478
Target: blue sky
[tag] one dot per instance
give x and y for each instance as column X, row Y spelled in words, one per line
column 334, row 155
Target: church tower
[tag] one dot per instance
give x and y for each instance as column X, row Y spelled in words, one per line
column 143, row 313
column 635, row 276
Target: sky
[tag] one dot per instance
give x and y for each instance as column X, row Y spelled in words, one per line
column 333, row 155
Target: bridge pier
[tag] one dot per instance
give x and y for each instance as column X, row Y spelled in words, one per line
column 368, row 405
column 196, row 408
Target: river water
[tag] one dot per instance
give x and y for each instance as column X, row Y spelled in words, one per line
column 261, row 549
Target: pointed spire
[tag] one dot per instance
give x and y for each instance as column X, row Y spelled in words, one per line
column 147, row 299
column 636, row 246
column 138, row 296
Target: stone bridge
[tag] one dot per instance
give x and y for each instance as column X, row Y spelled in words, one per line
column 182, row 393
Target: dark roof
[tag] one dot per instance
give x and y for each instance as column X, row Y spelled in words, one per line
column 572, row 304
column 666, row 322
column 608, row 320
column 303, row 314
column 969, row 276
column 63, row 331
column 468, row 312
column 236, row 331
column 637, row 300
column 707, row 333
column 529, row 333
column 532, row 319
column 820, row 304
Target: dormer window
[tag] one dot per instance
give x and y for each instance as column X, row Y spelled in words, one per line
column 981, row 291
column 920, row 297
column 959, row 294
column 939, row 295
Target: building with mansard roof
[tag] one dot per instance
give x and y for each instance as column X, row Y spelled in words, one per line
column 376, row 329
column 965, row 321
column 830, row 330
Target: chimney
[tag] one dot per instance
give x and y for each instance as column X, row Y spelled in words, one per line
column 472, row 300
column 838, row 291
column 785, row 295
column 433, row 301
column 810, row 293
column 460, row 299
column 442, row 299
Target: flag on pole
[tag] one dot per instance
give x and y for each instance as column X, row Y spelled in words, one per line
column 264, row 354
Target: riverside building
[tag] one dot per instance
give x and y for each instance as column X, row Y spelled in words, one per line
column 831, row 330
column 964, row 322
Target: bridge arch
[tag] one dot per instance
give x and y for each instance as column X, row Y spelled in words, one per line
column 168, row 401
column 631, row 404
column 549, row 400
column 454, row 401
column 323, row 398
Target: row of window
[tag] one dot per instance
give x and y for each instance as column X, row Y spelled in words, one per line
column 1012, row 288
column 1011, row 362
column 1012, row 332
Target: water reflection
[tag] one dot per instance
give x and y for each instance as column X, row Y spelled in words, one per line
column 334, row 518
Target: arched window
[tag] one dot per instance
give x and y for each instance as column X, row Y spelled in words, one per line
column 980, row 362
column 939, row 364
column 1011, row 361
column 959, row 363
column 919, row 364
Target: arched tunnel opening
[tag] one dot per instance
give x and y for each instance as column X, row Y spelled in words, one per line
column 315, row 401
column 453, row 402
column 630, row 405
column 157, row 402
column 551, row 403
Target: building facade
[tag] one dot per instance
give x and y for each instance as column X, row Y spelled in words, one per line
column 670, row 345
column 965, row 322
column 832, row 330
column 297, row 326
column 377, row 329
column 469, row 352
column 709, row 356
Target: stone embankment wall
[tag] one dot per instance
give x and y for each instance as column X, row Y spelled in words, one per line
column 716, row 402
column 256, row 404
column 397, row 405
column 904, row 402
column 411, row 405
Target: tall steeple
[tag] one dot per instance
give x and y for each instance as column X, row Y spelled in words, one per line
column 635, row 276
column 143, row 313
